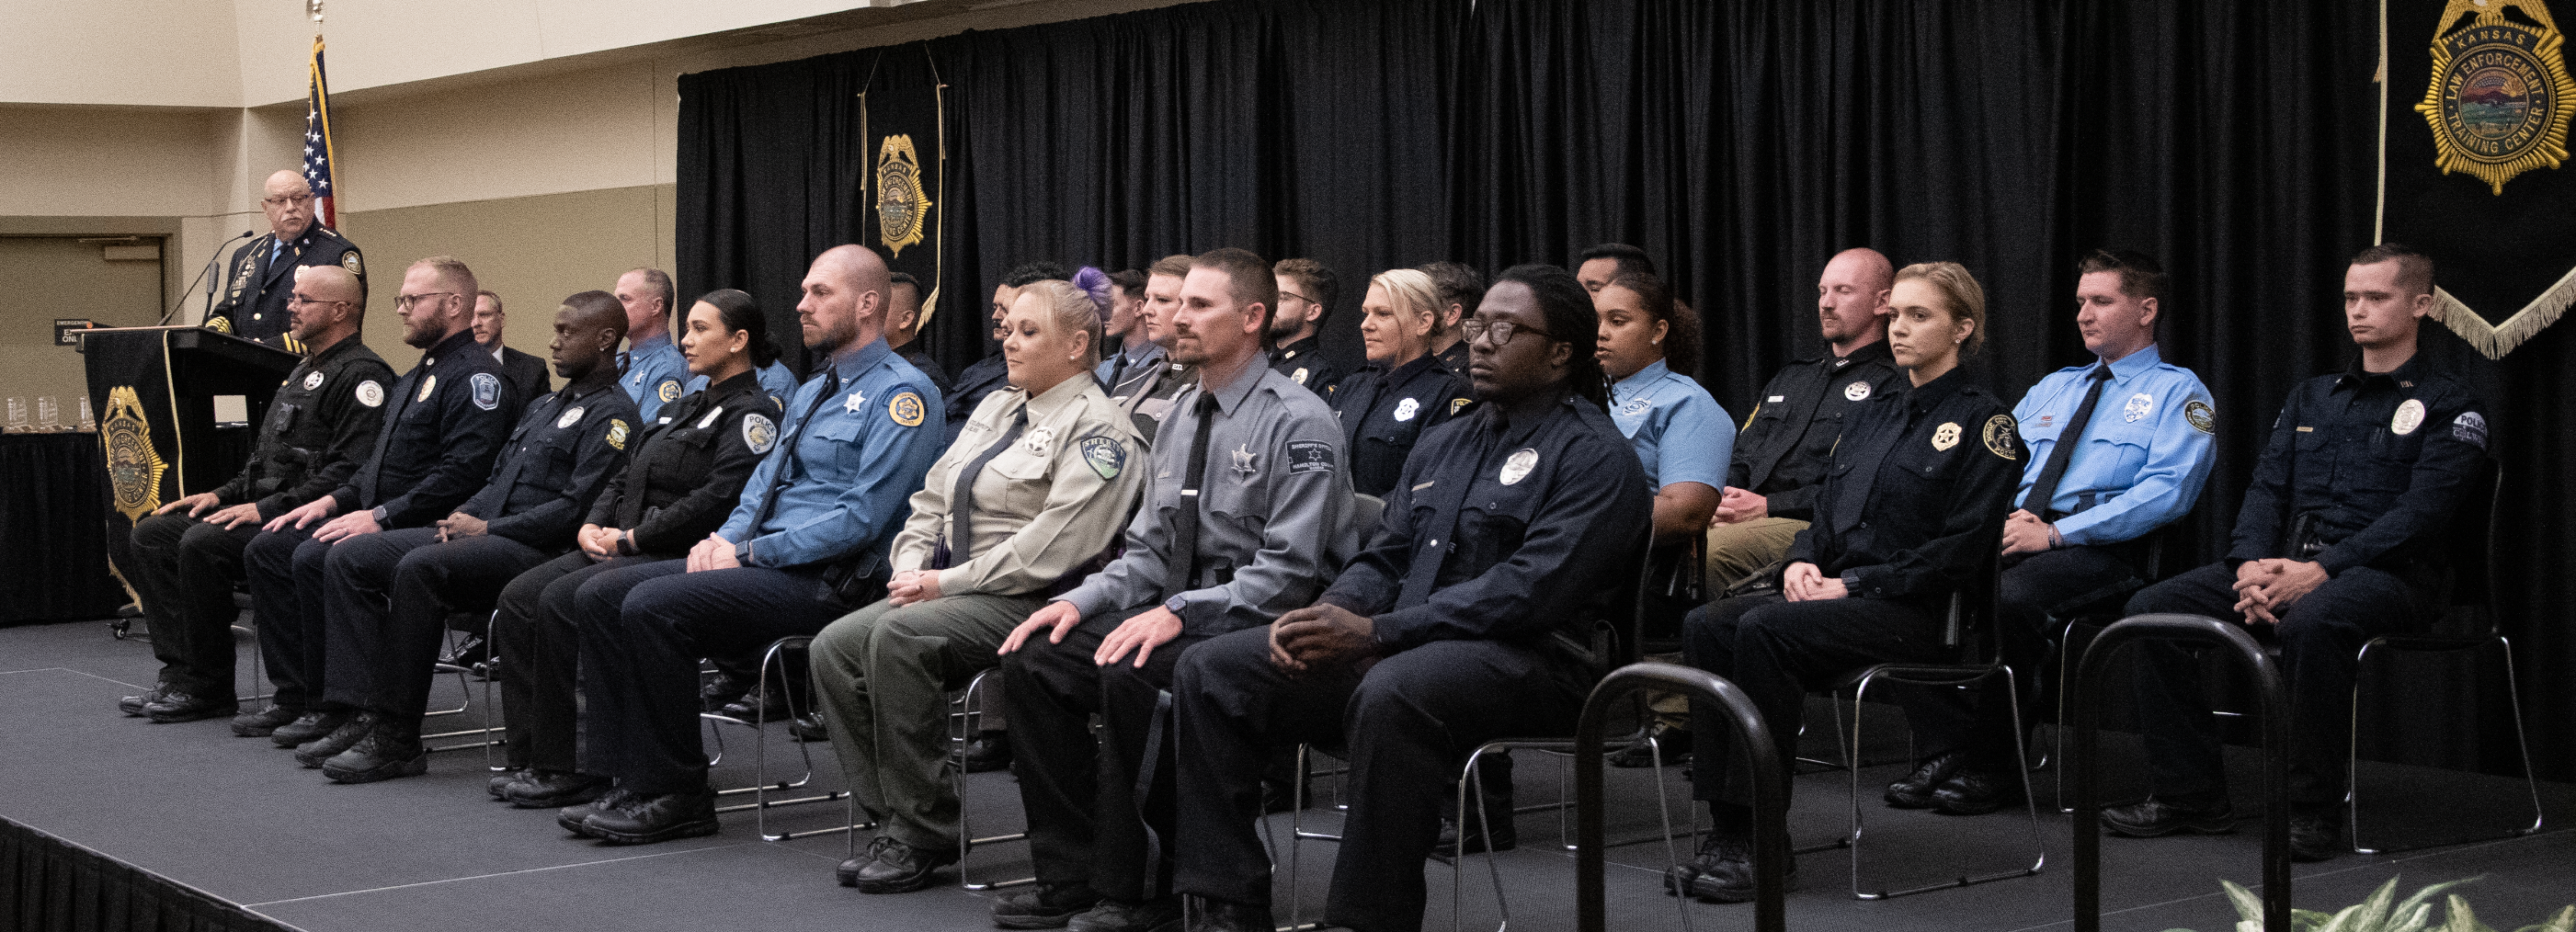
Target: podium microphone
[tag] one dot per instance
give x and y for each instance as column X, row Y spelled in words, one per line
column 202, row 275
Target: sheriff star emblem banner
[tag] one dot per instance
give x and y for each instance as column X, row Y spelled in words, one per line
column 2472, row 163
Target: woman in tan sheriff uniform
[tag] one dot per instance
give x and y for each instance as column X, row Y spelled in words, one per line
column 1039, row 484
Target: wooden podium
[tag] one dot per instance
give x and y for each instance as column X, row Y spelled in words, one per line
column 153, row 391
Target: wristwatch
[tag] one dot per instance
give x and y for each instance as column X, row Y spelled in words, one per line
column 742, row 553
column 1175, row 604
column 379, row 515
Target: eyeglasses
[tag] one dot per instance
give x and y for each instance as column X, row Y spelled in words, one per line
column 293, row 300
column 404, row 302
column 1501, row 331
column 296, row 201
column 1292, row 294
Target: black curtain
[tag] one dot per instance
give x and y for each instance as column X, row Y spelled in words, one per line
column 51, row 884
column 1741, row 145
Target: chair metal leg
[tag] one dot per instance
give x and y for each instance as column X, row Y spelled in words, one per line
column 2022, row 762
column 258, row 670
column 971, row 715
column 2352, row 756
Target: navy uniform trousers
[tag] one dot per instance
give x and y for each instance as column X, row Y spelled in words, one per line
column 387, row 604
column 540, row 652
column 2320, row 636
column 643, row 629
column 185, row 572
column 1087, row 819
column 1406, row 724
column 285, row 570
column 1777, row 651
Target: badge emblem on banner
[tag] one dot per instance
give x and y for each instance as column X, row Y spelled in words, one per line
column 134, row 468
column 903, row 208
column 2497, row 100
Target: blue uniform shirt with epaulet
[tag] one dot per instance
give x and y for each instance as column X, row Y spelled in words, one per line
column 854, row 457
column 2147, row 451
column 656, row 375
column 1680, row 432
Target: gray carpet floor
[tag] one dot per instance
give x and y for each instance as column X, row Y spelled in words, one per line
column 238, row 819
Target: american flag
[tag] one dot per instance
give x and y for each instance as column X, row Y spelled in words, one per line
column 317, row 142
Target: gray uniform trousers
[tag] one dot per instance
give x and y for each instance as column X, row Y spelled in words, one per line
column 884, row 674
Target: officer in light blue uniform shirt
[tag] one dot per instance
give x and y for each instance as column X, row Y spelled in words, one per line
column 656, row 374
column 1680, row 432
column 806, row 544
column 1683, row 438
column 2119, row 447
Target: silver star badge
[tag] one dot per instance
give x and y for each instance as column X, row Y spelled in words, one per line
column 852, row 403
column 1243, row 460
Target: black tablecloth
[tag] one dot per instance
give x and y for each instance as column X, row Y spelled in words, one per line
column 53, row 529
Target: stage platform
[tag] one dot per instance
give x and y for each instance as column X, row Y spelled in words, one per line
column 236, row 819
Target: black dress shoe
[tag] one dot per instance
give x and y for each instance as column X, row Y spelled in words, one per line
column 1730, row 878
column 1202, row 914
column 988, row 751
column 900, row 868
column 718, row 689
column 499, row 784
column 133, row 705
column 1915, row 791
column 759, row 707
column 2156, row 818
column 1673, row 743
column 265, row 722
column 1712, row 852
column 809, row 727
column 2314, row 836
column 1162, row 915
column 647, row 818
column 1973, row 791
column 308, row 725
column 555, row 789
column 1047, row 907
column 389, row 750
column 576, row 819
column 177, row 706
column 467, row 651
column 352, row 729
column 1506, row 837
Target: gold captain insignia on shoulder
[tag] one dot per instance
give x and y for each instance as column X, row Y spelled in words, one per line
column 903, row 208
column 1999, row 436
column 1945, row 436
column 134, row 468
column 905, row 408
column 2496, row 96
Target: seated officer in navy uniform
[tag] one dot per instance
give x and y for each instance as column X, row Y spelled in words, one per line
column 651, row 369
column 260, row 280
column 1466, row 619
column 1459, row 287
column 2118, row 448
column 1910, row 514
column 391, row 594
column 806, row 545
column 443, row 422
column 1307, row 290
column 685, row 476
column 1264, row 538
column 318, row 430
column 2337, row 543
column 989, row 374
column 1404, row 392
column 903, row 333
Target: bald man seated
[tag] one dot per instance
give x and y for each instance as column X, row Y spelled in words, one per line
column 259, row 279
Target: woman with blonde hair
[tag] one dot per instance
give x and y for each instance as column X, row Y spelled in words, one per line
column 1384, row 408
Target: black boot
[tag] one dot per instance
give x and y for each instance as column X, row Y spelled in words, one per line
column 988, row 751
column 265, row 722
column 133, row 705
column 555, row 789
column 391, row 749
column 647, row 818
column 894, row 867
column 308, row 725
column 576, row 819
column 1202, row 914
column 1915, row 791
column 499, row 784
column 179, row 706
column 2154, row 818
column 1673, row 744
column 352, row 729
column 1047, row 907
column 1975, row 791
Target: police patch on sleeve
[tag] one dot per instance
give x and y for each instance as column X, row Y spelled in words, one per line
column 668, row 391
column 2202, row 418
column 758, row 433
column 2470, row 428
column 371, row 394
column 617, row 433
column 905, row 408
column 487, row 390
column 1305, row 456
column 313, row 381
column 349, row 260
column 1999, row 436
column 1103, row 455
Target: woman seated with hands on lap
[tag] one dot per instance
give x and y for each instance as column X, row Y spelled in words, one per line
column 1036, row 489
column 681, row 483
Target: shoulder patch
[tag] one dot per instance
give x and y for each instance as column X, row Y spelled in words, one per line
column 617, row 433
column 1999, row 436
column 371, row 394
column 2470, row 428
column 759, row 433
column 487, row 390
column 2203, row 418
column 349, row 260
column 905, row 408
column 1103, row 455
column 1305, row 456
column 668, row 391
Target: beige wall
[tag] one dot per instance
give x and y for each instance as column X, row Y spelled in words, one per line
column 60, row 276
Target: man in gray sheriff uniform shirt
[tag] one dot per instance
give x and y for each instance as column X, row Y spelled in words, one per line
column 1247, row 513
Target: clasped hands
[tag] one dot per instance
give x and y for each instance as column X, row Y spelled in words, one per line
column 2269, row 586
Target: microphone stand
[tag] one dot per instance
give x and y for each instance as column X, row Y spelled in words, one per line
column 206, row 275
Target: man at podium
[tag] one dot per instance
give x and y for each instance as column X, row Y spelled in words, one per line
column 260, row 276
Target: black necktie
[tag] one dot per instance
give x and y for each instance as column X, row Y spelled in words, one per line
column 622, row 361
column 1117, row 372
column 2044, row 489
column 961, row 502
column 787, row 471
column 1181, row 566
